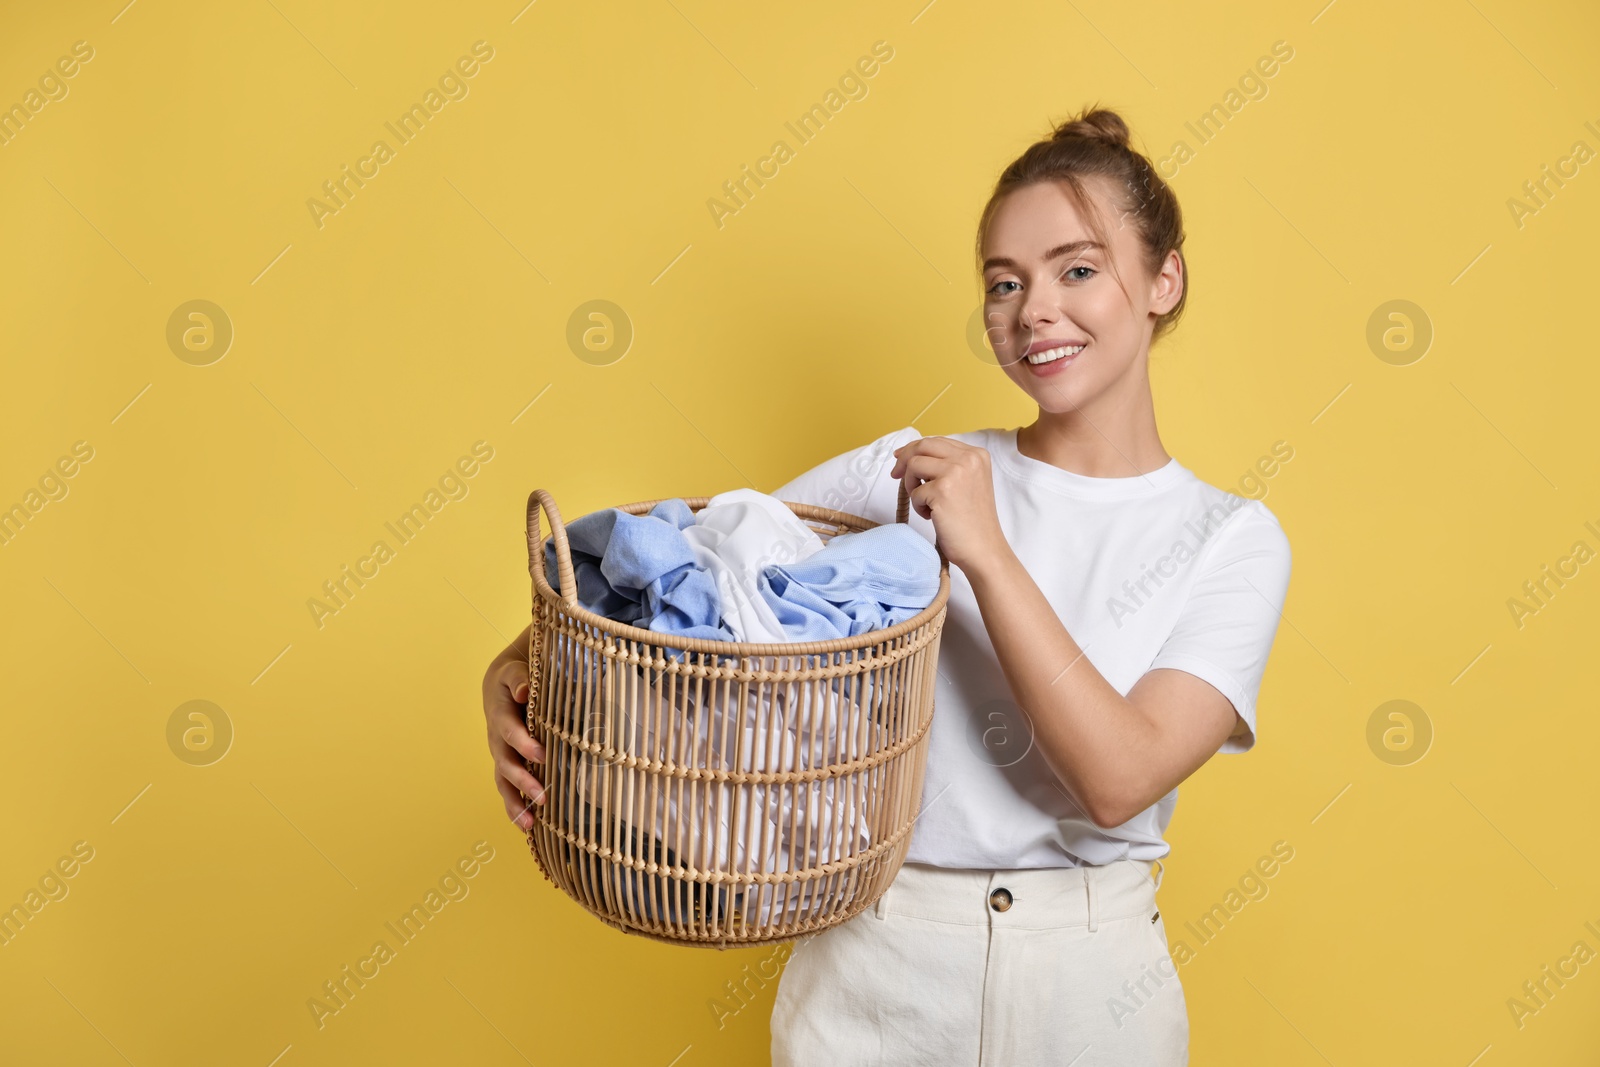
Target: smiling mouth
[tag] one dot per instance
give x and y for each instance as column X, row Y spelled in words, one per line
column 1050, row 355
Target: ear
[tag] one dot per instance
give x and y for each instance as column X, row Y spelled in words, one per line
column 1168, row 286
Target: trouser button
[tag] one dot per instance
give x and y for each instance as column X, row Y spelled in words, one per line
column 1000, row 899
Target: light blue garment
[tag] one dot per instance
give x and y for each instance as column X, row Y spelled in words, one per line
column 866, row 580
column 641, row 570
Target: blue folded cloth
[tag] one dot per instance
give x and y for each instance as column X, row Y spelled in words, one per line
column 641, row 570
column 860, row 581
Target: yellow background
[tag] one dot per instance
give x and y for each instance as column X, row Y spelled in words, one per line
column 427, row 314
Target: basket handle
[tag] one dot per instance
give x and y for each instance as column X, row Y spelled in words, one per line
column 902, row 513
column 567, row 583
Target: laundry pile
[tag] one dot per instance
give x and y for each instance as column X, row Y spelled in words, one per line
column 743, row 568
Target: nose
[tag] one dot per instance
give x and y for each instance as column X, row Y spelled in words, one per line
column 1038, row 312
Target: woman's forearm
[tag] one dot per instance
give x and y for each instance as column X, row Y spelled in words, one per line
column 518, row 648
column 1088, row 733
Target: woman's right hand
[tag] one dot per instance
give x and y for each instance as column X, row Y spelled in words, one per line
column 505, row 696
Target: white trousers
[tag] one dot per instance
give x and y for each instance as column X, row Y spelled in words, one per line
column 1045, row 966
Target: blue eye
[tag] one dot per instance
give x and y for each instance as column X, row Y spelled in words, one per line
column 1083, row 278
column 997, row 285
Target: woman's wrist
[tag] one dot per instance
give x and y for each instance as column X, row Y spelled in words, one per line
column 991, row 569
column 518, row 648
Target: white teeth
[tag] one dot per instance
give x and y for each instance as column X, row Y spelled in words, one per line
column 1052, row 354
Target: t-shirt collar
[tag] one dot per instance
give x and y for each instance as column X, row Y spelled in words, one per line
column 1037, row 472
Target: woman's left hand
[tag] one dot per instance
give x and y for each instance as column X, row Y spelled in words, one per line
column 950, row 483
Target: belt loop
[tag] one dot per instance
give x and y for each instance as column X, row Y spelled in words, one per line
column 1088, row 896
column 1161, row 870
column 880, row 909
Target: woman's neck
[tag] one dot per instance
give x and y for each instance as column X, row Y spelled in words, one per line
column 1073, row 443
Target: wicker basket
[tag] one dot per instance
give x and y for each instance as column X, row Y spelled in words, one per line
column 723, row 793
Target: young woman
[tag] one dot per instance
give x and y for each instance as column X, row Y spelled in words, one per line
column 1109, row 622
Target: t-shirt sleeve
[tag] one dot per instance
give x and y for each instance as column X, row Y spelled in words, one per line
column 1228, row 624
column 856, row 482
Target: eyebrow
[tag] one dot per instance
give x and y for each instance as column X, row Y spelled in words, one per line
column 1058, row 250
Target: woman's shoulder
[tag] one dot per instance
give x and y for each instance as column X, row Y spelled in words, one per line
column 1246, row 525
column 887, row 443
column 1250, row 510
column 982, row 438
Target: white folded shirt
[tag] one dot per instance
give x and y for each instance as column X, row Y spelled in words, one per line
column 734, row 536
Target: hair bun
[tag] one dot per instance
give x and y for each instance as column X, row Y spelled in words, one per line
column 1096, row 124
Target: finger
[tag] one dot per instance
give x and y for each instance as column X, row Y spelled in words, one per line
column 928, row 446
column 920, row 472
column 512, row 678
column 901, row 454
column 518, row 748
column 521, row 778
column 921, row 446
column 508, row 717
column 505, row 692
column 517, row 809
column 924, row 466
column 505, row 755
column 516, row 735
column 927, row 467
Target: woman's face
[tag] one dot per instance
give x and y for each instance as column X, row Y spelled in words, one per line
column 1047, row 284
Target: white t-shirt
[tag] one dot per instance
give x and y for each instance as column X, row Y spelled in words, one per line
column 1155, row 570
